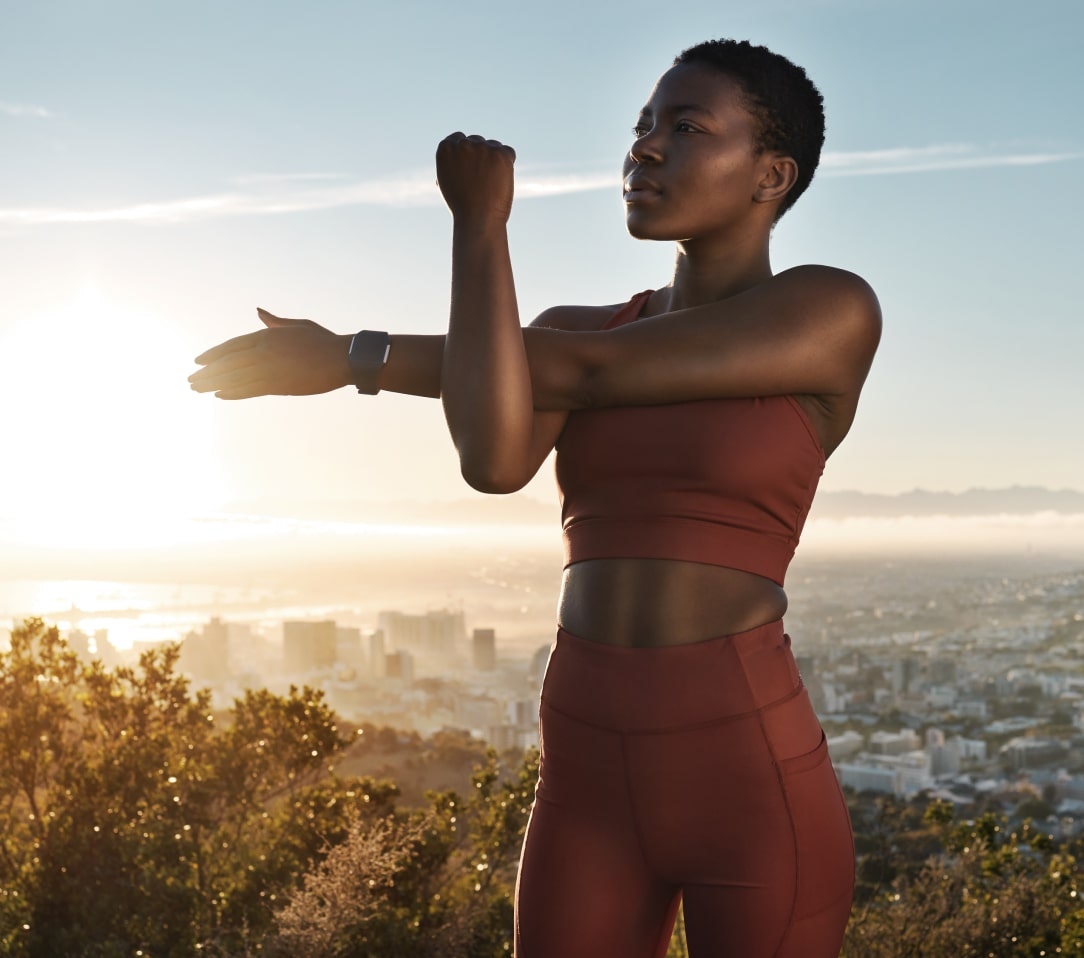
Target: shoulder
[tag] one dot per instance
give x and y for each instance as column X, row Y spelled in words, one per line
column 834, row 291
column 584, row 319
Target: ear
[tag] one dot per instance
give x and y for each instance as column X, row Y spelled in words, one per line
column 779, row 174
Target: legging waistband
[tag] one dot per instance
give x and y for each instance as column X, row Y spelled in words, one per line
column 659, row 688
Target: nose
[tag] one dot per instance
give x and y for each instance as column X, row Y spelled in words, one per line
column 646, row 148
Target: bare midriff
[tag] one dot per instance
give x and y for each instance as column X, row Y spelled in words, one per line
column 657, row 602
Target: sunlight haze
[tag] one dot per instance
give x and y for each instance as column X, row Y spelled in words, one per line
column 166, row 170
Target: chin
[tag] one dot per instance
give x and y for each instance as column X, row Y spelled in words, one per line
column 643, row 230
column 640, row 226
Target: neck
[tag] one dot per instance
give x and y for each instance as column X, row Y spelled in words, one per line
column 709, row 275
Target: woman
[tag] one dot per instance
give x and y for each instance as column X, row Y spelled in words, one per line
column 680, row 755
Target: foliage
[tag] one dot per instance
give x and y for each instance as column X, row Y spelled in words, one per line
column 134, row 818
column 989, row 891
column 432, row 882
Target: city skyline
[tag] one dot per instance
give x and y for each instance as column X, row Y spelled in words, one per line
column 164, row 172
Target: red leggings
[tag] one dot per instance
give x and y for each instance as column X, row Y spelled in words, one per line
column 695, row 772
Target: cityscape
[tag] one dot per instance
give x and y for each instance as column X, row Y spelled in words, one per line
column 961, row 678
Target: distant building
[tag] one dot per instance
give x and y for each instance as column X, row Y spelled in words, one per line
column 807, row 668
column 523, row 713
column 205, row 654
column 900, row 775
column 943, row 671
column 478, row 713
column 944, row 755
column 1027, row 752
column 378, row 655
column 399, row 666
column 894, row 743
column 434, row 634
column 905, row 673
column 536, row 671
column 484, row 649
column 847, row 744
column 308, row 646
column 348, row 646
column 79, row 642
column 866, row 778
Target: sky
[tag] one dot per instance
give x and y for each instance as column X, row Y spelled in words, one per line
column 165, row 168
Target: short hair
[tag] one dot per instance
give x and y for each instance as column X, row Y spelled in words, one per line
column 787, row 106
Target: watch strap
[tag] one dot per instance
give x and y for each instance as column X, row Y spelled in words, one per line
column 368, row 353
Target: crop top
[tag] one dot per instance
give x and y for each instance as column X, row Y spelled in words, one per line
column 725, row 482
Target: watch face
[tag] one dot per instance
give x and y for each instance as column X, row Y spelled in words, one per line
column 367, row 355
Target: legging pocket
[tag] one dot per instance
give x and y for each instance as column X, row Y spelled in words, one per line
column 822, row 831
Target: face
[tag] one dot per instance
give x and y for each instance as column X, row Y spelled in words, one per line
column 693, row 170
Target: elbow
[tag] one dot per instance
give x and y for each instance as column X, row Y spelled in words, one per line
column 490, row 478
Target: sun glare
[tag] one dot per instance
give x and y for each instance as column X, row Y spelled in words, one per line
column 104, row 447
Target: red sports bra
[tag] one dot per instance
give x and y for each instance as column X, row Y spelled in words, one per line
column 726, row 482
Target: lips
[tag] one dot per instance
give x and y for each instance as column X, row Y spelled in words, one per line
column 637, row 186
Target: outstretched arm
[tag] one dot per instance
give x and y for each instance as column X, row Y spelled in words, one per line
column 297, row 357
column 809, row 330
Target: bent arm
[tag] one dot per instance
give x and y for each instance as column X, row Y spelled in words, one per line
column 485, row 376
column 485, row 379
column 810, row 330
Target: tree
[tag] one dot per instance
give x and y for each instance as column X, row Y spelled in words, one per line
column 432, row 882
column 990, row 891
column 134, row 817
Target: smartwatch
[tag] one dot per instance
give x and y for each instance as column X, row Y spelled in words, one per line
column 368, row 354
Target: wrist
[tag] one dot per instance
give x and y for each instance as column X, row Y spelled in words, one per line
column 342, row 342
column 489, row 225
column 366, row 356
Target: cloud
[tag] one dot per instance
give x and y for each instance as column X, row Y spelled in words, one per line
column 928, row 159
column 24, row 109
column 265, row 194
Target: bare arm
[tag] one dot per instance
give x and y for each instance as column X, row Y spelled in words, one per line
column 810, row 330
column 297, row 357
column 485, row 379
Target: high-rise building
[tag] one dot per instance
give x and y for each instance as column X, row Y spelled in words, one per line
column 307, row 646
column 484, row 649
column 378, row 652
column 205, row 654
column 943, row 671
column 905, row 675
column 348, row 646
column 435, row 633
column 79, row 642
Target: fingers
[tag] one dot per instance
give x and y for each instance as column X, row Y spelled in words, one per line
column 457, row 138
column 202, row 380
column 271, row 320
column 230, row 346
column 220, row 376
column 250, row 392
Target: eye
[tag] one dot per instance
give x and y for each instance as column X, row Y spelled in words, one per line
column 684, row 126
column 639, row 130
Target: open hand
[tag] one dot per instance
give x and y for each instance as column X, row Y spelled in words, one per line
column 291, row 357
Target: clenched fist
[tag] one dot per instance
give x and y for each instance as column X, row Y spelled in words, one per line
column 475, row 177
